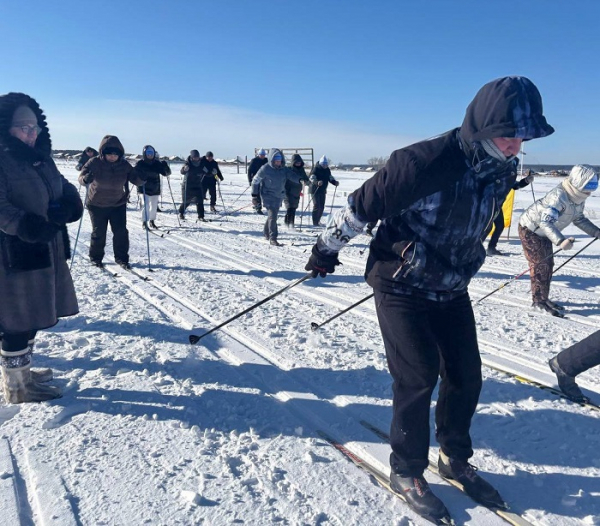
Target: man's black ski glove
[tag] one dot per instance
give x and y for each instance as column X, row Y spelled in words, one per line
column 321, row 265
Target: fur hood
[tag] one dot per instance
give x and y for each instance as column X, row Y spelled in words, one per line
column 43, row 145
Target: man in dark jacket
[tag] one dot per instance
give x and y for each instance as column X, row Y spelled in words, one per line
column 212, row 174
column 149, row 168
column 436, row 200
column 255, row 165
column 107, row 178
column 293, row 190
column 320, row 177
column 88, row 153
column 191, row 186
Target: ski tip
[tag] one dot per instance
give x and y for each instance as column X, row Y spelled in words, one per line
column 194, row 339
column 314, row 326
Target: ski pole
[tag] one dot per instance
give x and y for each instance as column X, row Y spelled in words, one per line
column 302, row 206
column 515, row 278
column 333, row 200
column 173, row 199
column 574, row 255
column 314, row 326
column 310, row 199
column 194, row 338
column 221, row 195
column 146, row 223
column 237, row 210
column 79, row 227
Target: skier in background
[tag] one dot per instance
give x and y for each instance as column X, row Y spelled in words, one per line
column 435, row 199
column 86, row 155
column 320, row 177
column 149, row 168
column 212, row 174
column 293, row 190
column 540, row 227
column 255, row 165
column 108, row 176
column 269, row 184
column 191, row 186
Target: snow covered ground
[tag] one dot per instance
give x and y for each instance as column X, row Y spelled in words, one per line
column 152, row 430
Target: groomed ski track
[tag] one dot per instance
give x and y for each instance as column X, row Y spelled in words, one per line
column 270, row 345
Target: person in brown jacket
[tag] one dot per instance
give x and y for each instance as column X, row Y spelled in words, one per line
column 107, row 177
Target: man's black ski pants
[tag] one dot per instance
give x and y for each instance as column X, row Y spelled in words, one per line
column 425, row 339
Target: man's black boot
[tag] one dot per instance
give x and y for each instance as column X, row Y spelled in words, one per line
column 476, row 487
column 420, row 498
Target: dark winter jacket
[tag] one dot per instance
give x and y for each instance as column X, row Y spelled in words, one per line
column 269, row 182
column 320, row 174
column 255, row 165
column 35, row 284
column 84, row 157
column 292, row 188
column 211, row 171
column 437, row 198
column 108, row 182
column 194, row 174
column 150, row 171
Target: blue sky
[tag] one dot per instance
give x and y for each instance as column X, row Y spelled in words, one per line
column 351, row 79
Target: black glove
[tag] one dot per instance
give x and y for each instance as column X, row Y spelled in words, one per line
column 255, row 199
column 64, row 211
column 335, row 183
column 33, row 228
column 321, row 265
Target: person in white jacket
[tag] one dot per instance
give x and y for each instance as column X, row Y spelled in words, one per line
column 541, row 226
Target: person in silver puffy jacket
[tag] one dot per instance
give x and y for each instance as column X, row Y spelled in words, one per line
column 541, row 226
column 268, row 185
